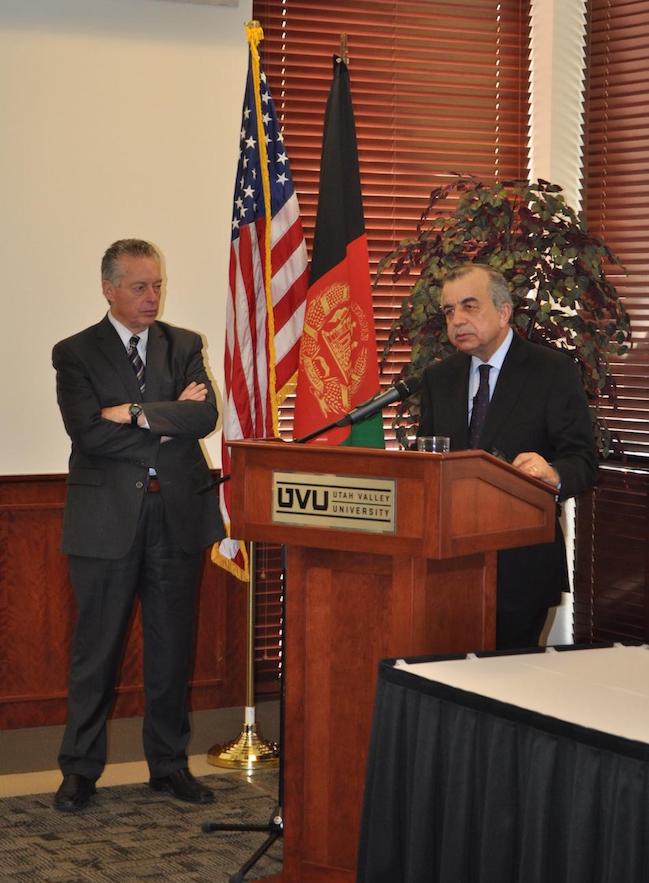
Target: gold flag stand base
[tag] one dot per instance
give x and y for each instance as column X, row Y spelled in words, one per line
column 247, row 752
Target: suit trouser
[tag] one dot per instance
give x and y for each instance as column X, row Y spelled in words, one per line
column 166, row 580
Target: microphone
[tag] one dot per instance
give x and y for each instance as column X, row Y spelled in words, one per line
column 401, row 390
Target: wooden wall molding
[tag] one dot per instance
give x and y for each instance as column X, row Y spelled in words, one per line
column 37, row 614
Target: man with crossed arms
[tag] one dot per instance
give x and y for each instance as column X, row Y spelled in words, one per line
column 135, row 399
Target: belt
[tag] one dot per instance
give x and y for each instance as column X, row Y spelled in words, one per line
column 153, row 486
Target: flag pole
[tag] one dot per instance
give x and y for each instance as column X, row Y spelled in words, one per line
column 248, row 751
column 262, row 282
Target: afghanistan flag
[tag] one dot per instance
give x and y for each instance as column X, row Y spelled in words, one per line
column 338, row 367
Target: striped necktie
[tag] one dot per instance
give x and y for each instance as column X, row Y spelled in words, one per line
column 136, row 362
column 480, row 407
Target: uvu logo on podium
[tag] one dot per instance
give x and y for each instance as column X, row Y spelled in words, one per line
column 334, row 501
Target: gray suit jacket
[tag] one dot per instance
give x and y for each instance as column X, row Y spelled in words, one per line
column 109, row 462
column 538, row 405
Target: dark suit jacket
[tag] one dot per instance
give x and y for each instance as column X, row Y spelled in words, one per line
column 538, row 405
column 109, row 462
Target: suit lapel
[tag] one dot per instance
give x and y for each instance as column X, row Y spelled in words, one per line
column 156, row 357
column 508, row 389
column 454, row 403
column 111, row 346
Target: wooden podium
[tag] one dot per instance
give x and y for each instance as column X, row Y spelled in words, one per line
column 388, row 554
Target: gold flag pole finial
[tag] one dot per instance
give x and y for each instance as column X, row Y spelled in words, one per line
column 343, row 53
column 254, row 32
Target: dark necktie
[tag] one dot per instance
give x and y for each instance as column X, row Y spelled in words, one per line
column 480, row 407
column 136, row 362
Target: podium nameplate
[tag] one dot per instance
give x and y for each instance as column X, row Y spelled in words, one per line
column 337, row 502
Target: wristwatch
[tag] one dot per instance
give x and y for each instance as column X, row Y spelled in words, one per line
column 134, row 410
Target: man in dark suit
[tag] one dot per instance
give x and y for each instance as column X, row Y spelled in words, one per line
column 531, row 408
column 135, row 399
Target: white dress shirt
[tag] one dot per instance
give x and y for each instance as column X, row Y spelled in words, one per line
column 125, row 336
column 496, row 362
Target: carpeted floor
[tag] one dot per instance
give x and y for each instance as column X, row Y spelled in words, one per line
column 131, row 833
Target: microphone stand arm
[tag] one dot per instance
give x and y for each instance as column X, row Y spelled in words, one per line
column 334, row 425
column 348, row 419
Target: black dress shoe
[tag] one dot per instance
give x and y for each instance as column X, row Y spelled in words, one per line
column 74, row 793
column 184, row 786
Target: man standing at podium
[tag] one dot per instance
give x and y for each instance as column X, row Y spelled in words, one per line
column 135, row 399
column 505, row 395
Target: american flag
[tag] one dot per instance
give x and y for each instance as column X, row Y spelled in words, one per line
column 267, row 265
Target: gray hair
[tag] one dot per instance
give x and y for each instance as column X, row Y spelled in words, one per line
column 138, row 248
column 498, row 288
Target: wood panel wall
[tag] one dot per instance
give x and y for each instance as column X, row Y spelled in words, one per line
column 37, row 614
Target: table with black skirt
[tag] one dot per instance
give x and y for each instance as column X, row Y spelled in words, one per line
column 510, row 768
